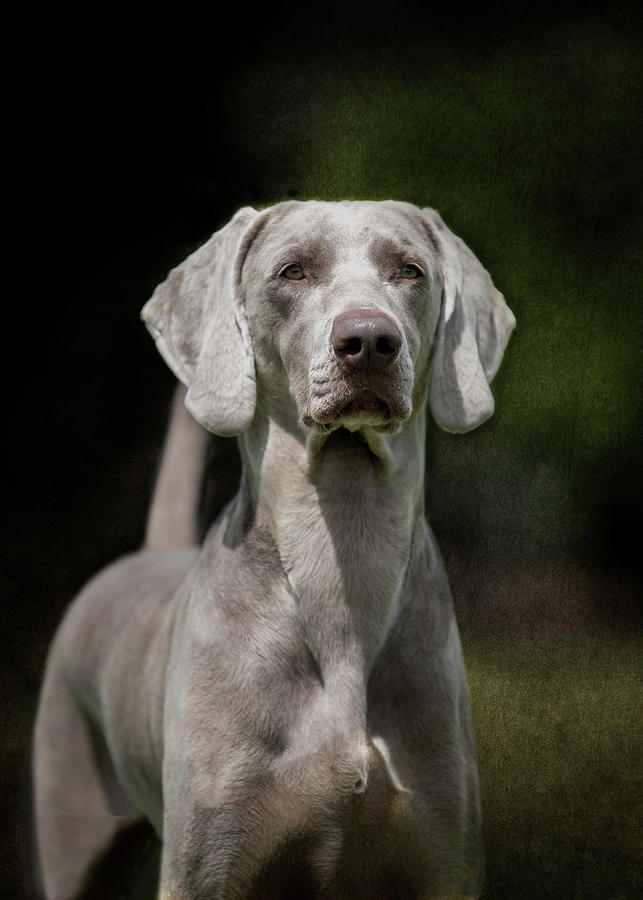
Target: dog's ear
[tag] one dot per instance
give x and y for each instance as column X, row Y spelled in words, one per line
column 197, row 319
column 472, row 333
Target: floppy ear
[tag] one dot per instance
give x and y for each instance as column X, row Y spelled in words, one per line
column 472, row 333
column 197, row 320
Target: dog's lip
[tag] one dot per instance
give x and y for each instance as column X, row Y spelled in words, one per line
column 360, row 404
column 364, row 402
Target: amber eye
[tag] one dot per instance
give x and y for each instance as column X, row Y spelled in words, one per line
column 411, row 271
column 294, row 272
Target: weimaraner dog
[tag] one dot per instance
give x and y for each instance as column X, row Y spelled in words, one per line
column 287, row 705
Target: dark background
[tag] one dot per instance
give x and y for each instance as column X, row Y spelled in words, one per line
column 129, row 143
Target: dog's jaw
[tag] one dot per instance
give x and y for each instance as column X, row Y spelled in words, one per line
column 356, row 407
column 369, row 402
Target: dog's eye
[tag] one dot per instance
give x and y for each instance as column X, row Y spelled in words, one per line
column 411, row 271
column 294, row 272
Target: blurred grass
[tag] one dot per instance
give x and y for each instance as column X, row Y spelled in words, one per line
column 558, row 724
column 560, row 743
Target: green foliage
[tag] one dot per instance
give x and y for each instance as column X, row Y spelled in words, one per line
column 524, row 142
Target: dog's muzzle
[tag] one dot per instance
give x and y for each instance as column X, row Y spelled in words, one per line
column 364, row 382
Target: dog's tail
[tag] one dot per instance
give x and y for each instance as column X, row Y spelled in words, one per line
column 173, row 517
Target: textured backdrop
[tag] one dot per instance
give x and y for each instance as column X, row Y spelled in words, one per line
column 130, row 144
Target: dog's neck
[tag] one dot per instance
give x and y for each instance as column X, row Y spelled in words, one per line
column 340, row 518
column 342, row 514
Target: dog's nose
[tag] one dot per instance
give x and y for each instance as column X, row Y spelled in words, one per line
column 365, row 340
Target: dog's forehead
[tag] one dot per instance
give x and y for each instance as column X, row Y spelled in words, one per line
column 338, row 228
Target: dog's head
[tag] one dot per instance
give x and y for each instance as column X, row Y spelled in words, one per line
column 332, row 314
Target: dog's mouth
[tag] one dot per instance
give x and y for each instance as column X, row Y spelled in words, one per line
column 365, row 406
column 359, row 408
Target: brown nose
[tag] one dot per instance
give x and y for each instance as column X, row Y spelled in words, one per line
column 365, row 340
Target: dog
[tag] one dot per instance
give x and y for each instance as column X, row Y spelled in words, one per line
column 287, row 704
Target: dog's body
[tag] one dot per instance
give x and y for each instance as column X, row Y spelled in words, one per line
column 288, row 706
